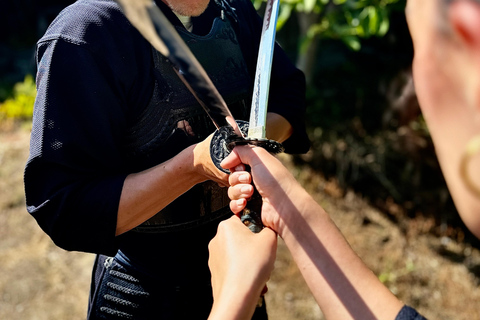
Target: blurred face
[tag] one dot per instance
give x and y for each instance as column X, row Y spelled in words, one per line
column 191, row 8
column 439, row 67
column 428, row 72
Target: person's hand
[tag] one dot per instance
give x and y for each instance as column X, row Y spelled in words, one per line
column 204, row 165
column 281, row 193
column 241, row 263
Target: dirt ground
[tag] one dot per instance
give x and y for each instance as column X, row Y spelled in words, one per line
column 438, row 276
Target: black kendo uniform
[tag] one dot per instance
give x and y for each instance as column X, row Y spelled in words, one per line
column 109, row 105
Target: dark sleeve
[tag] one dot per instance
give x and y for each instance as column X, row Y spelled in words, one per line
column 408, row 313
column 75, row 173
column 287, row 86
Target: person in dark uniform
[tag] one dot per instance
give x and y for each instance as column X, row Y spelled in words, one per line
column 119, row 159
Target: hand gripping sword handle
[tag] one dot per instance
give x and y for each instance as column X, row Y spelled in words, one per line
column 223, row 142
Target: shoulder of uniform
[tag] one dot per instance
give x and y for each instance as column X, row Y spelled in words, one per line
column 89, row 22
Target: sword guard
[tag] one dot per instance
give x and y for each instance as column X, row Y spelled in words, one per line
column 224, row 140
column 218, row 145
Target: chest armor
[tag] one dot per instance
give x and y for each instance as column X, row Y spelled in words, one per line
column 174, row 120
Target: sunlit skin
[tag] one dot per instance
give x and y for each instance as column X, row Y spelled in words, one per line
column 190, row 8
column 446, row 72
column 435, row 65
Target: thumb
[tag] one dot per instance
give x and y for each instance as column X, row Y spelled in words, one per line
column 231, row 161
column 235, row 158
column 247, row 154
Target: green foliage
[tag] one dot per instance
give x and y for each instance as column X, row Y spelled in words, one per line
column 20, row 106
column 347, row 20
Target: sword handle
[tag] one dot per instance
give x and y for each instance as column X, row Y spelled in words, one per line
column 223, row 142
column 252, row 217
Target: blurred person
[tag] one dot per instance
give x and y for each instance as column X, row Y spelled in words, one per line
column 120, row 161
column 446, row 70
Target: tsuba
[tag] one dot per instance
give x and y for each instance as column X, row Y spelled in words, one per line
column 223, row 142
column 225, row 139
column 220, row 139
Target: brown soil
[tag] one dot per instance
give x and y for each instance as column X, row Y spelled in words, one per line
column 438, row 276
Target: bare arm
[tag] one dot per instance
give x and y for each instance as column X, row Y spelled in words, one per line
column 341, row 283
column 147, row 192
column 237, row 284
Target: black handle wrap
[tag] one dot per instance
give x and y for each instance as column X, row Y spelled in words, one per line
column 223, row 142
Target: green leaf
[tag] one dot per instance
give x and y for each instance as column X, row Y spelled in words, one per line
column 352, row 42
column 372, row 20
column 384, row 23
column 309, row 5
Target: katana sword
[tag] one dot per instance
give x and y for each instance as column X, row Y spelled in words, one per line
column 150, row 21
column 258, row 113
column 257, row 124
column 256, row 134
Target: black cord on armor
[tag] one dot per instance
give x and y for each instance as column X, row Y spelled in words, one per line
column 123, row 276
column 120, row 301
column 116, row 313
column 125, row 290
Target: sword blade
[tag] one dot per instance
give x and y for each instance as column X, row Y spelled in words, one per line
column 150, row 21
column 258, row 113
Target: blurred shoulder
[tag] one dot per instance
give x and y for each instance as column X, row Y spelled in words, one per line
column 89, row 22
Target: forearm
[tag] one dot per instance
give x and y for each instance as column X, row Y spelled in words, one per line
column 149, row 191
column 235, row 304
column 342, row 285
column 238, row 277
